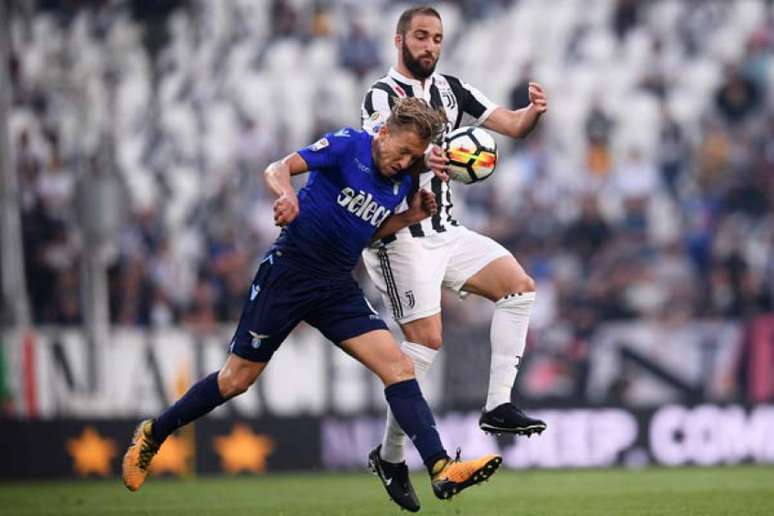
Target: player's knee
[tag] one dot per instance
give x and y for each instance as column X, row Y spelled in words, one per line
column 234, row 383
column 522, row 283
column 431, row 340
column 405, row 367
column 400, row 370
column 426, row 336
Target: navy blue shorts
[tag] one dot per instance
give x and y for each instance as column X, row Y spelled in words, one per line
column 281, row 297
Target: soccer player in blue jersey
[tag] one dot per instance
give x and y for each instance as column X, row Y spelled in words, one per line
column 356, row 181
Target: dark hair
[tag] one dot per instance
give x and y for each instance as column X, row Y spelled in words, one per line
column 416, row 114
column 405, row 18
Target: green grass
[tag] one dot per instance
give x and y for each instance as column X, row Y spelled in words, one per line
column 747, row 491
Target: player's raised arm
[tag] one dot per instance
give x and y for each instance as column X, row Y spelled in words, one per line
column 277, row 176
column 519, row 123
column 422, row 205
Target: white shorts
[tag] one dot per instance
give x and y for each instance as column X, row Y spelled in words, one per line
column 409, row 272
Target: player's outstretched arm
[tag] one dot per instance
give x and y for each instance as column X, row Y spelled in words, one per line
column 422, row 205
column 277, row 176
column 519, row 123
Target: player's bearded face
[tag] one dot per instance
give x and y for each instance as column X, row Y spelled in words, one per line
column 421, row 65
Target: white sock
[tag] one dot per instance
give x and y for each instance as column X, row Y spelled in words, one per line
column 394, row 440
column 509, row 337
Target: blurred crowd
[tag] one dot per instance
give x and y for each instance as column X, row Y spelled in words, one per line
column 646, row 192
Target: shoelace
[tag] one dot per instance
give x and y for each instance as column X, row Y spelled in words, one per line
column 461, row 472
column 147, row 451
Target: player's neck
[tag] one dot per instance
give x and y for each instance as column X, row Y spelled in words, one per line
column 401, row 69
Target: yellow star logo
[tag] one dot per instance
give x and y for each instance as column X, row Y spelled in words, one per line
column 173, row 457
column 92, row 453
column 243, row 450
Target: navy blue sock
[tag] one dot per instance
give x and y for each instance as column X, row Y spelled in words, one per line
column 201, row 398
column 414, row 417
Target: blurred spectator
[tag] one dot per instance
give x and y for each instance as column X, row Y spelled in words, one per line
column 738, row 96
column 358, row 50
column 625, row 16
column 519, row 96
column 194, row 130
column 599, row 160
column 589, row 233
column 673, row 151
column 284, row 19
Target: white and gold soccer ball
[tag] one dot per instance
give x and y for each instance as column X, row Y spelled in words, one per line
column 472, row 154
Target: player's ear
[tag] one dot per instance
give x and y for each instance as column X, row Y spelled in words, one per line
column 397, row 40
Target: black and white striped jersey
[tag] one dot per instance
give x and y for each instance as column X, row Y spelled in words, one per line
column 464, row 105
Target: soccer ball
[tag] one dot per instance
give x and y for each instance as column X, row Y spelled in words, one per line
column 472, row 154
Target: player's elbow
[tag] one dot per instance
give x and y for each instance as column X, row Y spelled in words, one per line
column 271, row 170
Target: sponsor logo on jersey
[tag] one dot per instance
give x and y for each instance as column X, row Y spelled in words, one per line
column 363, row 205
column 319, row 144
column 363, row 167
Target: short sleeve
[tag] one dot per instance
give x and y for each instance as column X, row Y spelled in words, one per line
column 376, row 107
column 472, row 102
column 326, row 152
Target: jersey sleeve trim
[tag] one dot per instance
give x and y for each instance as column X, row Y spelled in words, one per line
column 471, row 100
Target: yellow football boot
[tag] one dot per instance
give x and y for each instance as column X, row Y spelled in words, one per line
column 456, row 475
column 138, row 457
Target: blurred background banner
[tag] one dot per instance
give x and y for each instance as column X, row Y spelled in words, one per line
column 133, row 136
column 636, row 364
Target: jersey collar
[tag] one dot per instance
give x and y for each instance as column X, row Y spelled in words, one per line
column 399, row 77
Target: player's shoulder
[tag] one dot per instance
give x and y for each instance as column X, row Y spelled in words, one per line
column 338, row 141
column 382, row 91
column 452, row 80
column 382, row 82
column 347, row 136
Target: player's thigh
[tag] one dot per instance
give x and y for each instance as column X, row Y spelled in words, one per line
column 427, row 331
column 273, row 306
column 343, row 312
column 379, row 351
column 408, row 275
column 480, row 265
column 501, row 277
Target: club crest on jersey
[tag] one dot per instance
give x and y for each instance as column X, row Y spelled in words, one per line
column 447, row 95
column 375, row 122
column 363, row 205
column 319, row 145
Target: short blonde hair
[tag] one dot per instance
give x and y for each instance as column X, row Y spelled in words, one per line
column 415, row 114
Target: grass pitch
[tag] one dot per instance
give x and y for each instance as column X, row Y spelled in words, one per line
column 747, row 491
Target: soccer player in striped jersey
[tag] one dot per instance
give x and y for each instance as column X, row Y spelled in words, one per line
column 356, row 181
column 410, row 267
